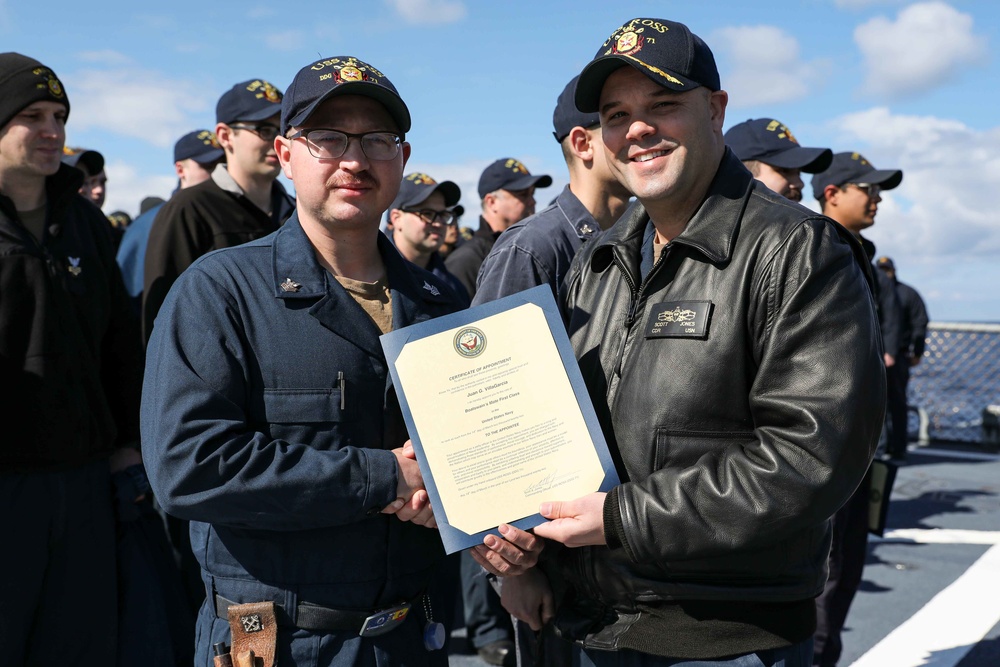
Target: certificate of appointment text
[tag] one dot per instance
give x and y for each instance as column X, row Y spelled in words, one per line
column 498, row 414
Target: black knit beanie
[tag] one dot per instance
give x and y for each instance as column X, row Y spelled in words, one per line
column 24, row 81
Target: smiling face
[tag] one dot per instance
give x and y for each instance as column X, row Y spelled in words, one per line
column 663, row 146
column 31, row 144
column 352, row 191
column 852, row 206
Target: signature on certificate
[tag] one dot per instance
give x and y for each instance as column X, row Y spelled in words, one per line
column 554, row 478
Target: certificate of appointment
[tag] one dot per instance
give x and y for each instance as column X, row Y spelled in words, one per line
column 498, row 414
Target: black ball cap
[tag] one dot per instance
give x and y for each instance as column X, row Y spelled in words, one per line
column 90, row 162
column 854, row 168
column 771, row 142
column 417, row 187
column 200, row 146
column 509, row 173
column 341, row 75
column 665, row 51
column 251, row 100
column 567, row 116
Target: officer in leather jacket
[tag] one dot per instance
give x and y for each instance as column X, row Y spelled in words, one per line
column 728, row 340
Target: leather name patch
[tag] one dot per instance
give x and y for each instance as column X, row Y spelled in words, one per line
column 679, row 319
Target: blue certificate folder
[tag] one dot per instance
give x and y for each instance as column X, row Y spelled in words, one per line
column 393, row 343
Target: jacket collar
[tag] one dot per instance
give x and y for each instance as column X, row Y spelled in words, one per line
column 868, row 246
column 711, row 231
column 576, row 214
column 281, row 204
column 485, row 231
column 297, row 274
column 59, row 187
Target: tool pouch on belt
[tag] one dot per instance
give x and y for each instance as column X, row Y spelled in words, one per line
column 254, row 628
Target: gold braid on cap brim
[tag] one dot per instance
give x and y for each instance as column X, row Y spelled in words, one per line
column 655, row 70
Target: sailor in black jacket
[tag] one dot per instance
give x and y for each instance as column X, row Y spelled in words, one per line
column 70, row 363
column 728, row 340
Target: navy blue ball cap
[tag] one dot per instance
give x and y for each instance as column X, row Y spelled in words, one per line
column 200, row 146
column 251, row 100
column 90, row 162
column 567, row 116
column 885, row 263
column 340, row 75
column 854, row 168
column 665, row 51
column 417, row 187
column 508, row 173
column 771, row 142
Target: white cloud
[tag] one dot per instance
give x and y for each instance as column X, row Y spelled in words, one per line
column 940, row 224
column 764, row 65
column 288, row 40
column 262, row 12
column 429, row 12
column 864, row 4
column 927, row 45
column 106, row 57
column 127, row 188
column 466, row 176
column 155, row 22
column 123, row 98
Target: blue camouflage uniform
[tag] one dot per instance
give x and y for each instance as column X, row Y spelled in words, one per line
column 281, row 469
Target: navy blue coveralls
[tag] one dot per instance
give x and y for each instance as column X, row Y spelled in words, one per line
column 281, row 468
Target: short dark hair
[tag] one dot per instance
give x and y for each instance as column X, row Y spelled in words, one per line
column 821, row 197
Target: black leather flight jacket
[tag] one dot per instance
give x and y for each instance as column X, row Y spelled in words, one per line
column 741, row 390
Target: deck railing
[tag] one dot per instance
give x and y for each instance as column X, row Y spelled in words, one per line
column 954, row 391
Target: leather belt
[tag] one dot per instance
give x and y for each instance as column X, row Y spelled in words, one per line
column 323, row 619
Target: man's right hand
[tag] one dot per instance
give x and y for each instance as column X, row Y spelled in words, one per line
column 528, row 598
column 412, row 502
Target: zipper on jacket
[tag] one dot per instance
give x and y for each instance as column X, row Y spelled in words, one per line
column 633, row 306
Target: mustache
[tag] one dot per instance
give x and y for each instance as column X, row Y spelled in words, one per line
column 361, row 179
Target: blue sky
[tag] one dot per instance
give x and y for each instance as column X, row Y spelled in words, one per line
column 911, row 85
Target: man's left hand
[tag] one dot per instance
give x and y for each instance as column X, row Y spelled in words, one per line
column 511, row 556
column 575, row 523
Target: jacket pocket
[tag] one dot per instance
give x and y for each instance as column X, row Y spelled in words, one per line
column 303, row 406
column 682, row 449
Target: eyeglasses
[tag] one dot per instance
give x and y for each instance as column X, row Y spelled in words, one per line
column 332, row 144
column 265, row 131
column 431, row 217
column 870, row 189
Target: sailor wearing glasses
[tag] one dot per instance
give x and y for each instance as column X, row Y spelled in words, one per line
column 418, row 221
column 849, row 192
column 507, row 190
column 268, row 418
column 241, row 202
